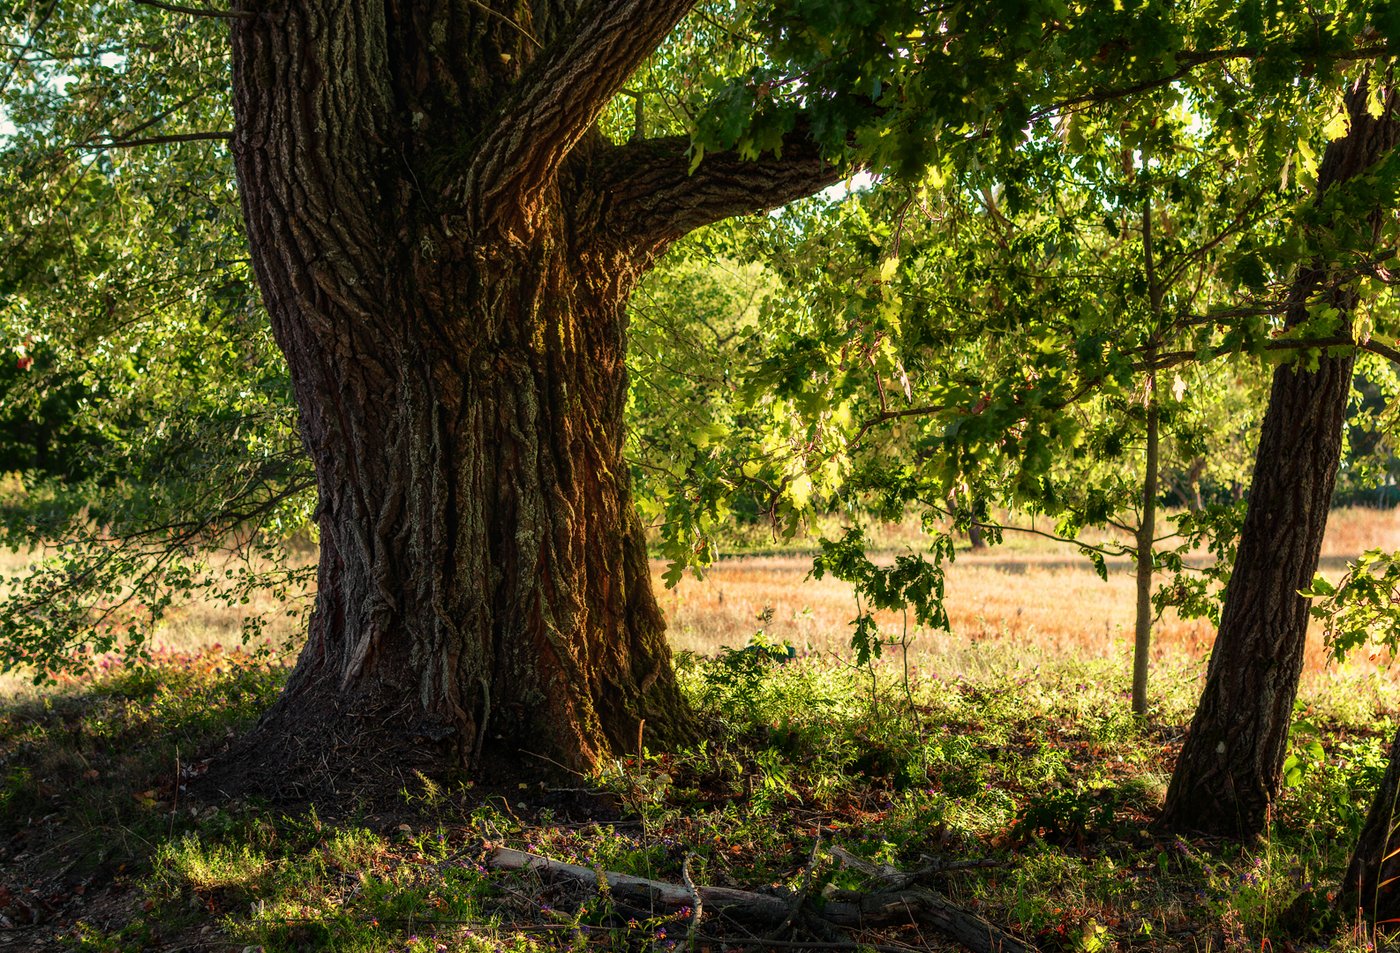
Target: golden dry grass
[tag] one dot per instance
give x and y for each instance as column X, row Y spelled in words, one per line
column 1030, row 598
column 189, row 629
column 1034, row 598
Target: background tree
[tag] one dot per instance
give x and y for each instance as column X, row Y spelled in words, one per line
column 1231, row 764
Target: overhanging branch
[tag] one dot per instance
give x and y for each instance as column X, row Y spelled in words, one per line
column 1169, row 359
column 652, row 198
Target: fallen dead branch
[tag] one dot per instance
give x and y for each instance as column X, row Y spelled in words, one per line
column 738, row 903
column 848, row 909
column 894, row 877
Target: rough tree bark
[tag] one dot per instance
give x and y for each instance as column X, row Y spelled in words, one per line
column 446, row 244
column 1231, row 763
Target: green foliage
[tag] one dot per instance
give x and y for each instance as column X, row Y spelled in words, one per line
column 737, row 677
column 1363, row 608
column 1195, row 592
column 982, row 328
column 912, row 582
column 1063, row 813
column 694, row 322
column 143, row 396
column 1305, row 751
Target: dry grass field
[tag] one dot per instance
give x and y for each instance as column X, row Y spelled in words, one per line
column 1025, row 600
column 1028, row 598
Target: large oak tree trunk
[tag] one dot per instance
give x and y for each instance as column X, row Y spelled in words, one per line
column 446, row 246
column 1231, row 763
column 482, row 570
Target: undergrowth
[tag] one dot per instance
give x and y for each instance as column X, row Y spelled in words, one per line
column 1035, row 770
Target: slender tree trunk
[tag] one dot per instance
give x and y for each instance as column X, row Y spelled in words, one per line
column 446, row 245
column 1147, row 525
column 1230, row 765
column 975, row 536
column 1193, row 498
column 1146, row 560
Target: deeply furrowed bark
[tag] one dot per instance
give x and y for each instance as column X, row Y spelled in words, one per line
column 454, row 323
column 1231, row 763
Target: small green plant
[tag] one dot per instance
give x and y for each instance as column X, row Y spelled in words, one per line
column 737, row 676
column 1065, row 814
column 430, row 793
column 1305, row 751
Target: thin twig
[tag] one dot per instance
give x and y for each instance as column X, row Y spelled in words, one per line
column 800, row 897
column 175, row 794
column 697, row 906
column 222, row 136
column 809, row 944
column 508, row 21
column 1101, row 550
column 198, row 11
column 565, row 767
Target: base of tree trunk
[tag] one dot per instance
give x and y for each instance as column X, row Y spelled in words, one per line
column 315, row 746
column 314, row 750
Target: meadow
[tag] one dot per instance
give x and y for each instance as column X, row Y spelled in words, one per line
column 999, row 763
column 1027, row 596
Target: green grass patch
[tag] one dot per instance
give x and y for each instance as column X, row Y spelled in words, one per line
column 1038, row 773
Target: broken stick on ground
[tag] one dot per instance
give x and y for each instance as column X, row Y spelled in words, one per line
column 897, row 902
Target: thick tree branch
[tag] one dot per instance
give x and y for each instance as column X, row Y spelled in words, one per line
column 651, row 198
column 555, row 104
